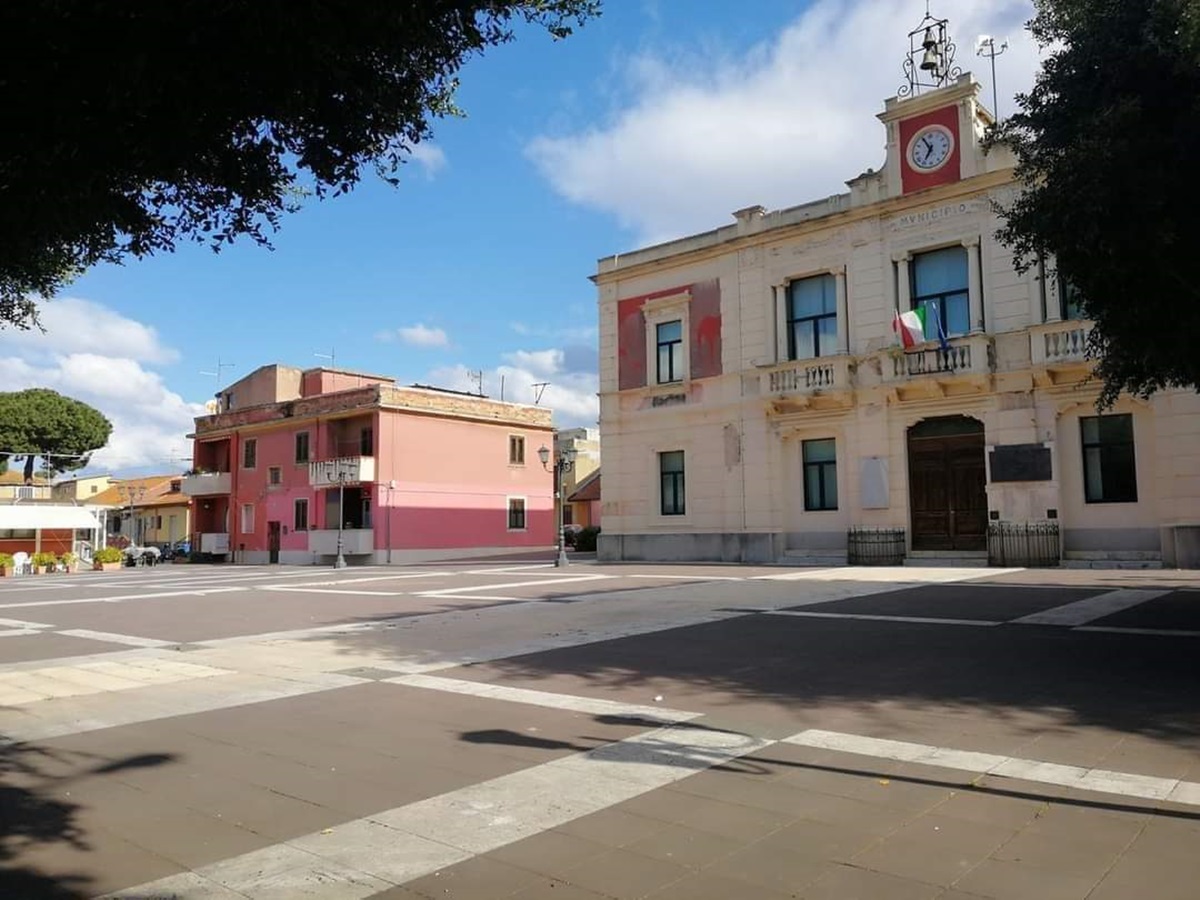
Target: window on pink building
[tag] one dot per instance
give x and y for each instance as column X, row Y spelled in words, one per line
column 516, row 513
column 300, row 516
column 250, row 453
column 302, row 447
column 516, row 450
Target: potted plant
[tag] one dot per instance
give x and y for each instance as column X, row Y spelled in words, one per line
column 106, row 559
column 6, row 565
column 43, row 562
column 69, row 561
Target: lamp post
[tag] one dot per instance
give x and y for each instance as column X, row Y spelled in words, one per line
column 391, row 486
column 340, row 561
column 133, row 493
column 564, row 461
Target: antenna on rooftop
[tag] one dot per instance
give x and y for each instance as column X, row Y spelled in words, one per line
column 477, row 377
column 331, row 356
column 539, row 388
column 217, row 373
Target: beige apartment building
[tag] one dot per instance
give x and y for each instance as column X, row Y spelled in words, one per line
column 758, row 404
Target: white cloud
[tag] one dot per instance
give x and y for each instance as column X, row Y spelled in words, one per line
column 783, row 123
column 73, row 325
column 430, row 157
column 150, row 421
column 570, row 393
column 423, row 336
column 539, row 362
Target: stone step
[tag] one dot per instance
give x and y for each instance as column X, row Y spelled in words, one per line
column 823, row 559
column 967, row 559
column 1112, row 559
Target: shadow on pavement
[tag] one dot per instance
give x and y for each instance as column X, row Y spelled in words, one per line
column 36, row 813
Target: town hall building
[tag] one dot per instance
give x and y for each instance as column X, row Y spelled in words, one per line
column 759, row 400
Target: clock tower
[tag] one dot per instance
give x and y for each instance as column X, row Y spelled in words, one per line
column 935, row 122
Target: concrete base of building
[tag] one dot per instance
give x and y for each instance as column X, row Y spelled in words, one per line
column 1181, row 546
column 727, row 547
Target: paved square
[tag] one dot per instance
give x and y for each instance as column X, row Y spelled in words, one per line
column 515, row 730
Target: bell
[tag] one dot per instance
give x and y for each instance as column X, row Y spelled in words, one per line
column 931, row 61
column 930, row 42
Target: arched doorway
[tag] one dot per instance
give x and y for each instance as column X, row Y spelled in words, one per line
column 947, row 484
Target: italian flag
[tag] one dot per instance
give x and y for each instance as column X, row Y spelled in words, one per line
column 910, row 326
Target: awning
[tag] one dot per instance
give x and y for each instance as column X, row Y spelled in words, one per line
column 32, row 515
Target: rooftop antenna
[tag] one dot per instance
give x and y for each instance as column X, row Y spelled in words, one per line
column 985, row 45
column 477, row 377
column 217, row 373
column 539, row 388
column 331, row 356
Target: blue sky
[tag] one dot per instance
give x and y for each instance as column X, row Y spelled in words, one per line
column 654, row 121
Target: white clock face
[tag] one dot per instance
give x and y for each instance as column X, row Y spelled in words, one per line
column 930, row 148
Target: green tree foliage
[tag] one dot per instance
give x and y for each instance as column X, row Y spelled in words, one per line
column 134, row 126
column 43, row 423
column 1107, row 143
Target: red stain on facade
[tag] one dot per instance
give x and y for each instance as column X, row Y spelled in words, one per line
column 631, row 343
column 704, row 339
column 951, row 171
column 706, row 329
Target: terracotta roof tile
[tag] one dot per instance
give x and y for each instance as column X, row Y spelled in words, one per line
column 588, row 489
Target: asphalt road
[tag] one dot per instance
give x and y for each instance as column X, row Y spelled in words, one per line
column 488, row 730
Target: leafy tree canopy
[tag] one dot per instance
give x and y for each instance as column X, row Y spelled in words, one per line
column 133, row 126
column 1107, row 144
column 42, row 423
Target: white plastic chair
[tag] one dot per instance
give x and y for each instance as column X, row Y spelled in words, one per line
column 21, row 564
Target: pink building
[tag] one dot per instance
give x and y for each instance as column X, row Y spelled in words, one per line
column 412, row 473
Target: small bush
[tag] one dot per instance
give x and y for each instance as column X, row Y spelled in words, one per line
column 107, row 555
column 6, row 561
column 68, row 559
column 585, row 540
column 44, row 560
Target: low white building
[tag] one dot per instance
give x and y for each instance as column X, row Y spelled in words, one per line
column 756, row 403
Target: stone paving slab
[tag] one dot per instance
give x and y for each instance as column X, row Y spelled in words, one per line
column 985, row 603
column 51, row 646
column 1178, row 611
column 183, row 792
column 987, row 689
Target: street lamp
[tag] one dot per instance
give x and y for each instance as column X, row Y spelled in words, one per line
column 390, row 486
column 564, row 461
column 340, row 561
column 133, row 493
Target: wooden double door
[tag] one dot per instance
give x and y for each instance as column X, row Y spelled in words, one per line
column 947, row 484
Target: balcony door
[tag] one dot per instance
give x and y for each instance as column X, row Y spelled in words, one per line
column 273, row 541
column 947, row 484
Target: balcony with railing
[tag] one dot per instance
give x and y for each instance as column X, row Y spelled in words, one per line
column 342, row 470
column 968, row 355
column 808, row 376
column 355, row 541
column 207, row 484
column 1056, row 343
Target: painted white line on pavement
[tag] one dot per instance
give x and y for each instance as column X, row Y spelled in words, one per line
column 1083, row 611
column 899, row 576
column 685, row 577
column 368, row 855
column 154, row 596
column 914, row 620
column 337, row 581
column 570, row 579
column 1159, row 632
column 21, row 623
column 1103, row 781
column 543, row 698
column 19, row 632
column 434, row 596
column 358, row 593
column 113, row 638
